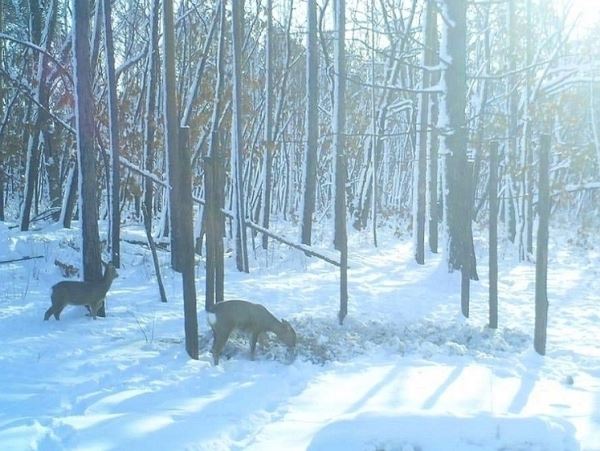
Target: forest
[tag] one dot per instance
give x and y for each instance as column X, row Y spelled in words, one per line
column 415, row 184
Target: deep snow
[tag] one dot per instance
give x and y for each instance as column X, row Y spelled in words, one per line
column 404, row 372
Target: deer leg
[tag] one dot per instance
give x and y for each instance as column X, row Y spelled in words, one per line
column 94, row 308
column 49, row 313
column 220, row 338
column 58, row 310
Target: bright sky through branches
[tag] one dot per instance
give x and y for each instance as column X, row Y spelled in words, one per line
column 586, row 12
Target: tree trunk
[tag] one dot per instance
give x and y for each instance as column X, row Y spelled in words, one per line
column 459, row 200
column 186, row 235
column 493, row 237
column 180, row 179
column 434, row 207
column 86, row 151
column 312, row 123
column 511, row 157
column 171, row 127
column 214, row 224
column 237, row 141
column 149, row 120
column 541, row 262
column 420, row 182
column 339, row 124
column 115, row 212
column 148, row 229
column 70, row 197
column 42, row 38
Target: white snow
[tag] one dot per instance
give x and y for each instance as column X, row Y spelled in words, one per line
column 405, row 371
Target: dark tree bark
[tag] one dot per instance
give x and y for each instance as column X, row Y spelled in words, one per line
column 41, row 38
column 113, row 120
column 312, row 123
column 172, row 132
column 180, row 179
column 70, row 199
column 186, row 235
column 239, row 199
column 84, row 115
column 152, row 245
column 149, row 120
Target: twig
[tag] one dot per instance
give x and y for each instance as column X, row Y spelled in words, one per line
column 20, row 259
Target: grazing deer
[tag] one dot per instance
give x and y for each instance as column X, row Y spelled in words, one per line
column 247, row 317
column 70, row 292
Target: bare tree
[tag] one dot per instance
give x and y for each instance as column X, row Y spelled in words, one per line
column 237, row 141
column 339, row 130
column 113, row 117
column 41, row 38
column 458, row 203
column 86, row 150
column 180, row 198
column 312, row 122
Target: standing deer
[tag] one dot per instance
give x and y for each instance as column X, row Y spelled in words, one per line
column 70, row 292
column 247, row 317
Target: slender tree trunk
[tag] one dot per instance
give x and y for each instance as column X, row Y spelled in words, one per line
column 511, row 131
column 42, row 38
column 70, row 198
column 541, row 262
column 171, row 132
column 493, row 237
column 214, row 192
column 237, row 141
column 420, row 183
column 339, row 124
column 269, row 143
column 152, row 245
column 149, row 120
column 86, row 151
column 434, row 208
column 312, row 122
column 186, row 236
column 527, row 136
column 113, row 117
column 213, row 218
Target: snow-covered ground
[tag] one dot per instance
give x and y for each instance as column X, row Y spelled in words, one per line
column 404, row 372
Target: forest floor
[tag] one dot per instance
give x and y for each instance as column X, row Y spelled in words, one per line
column 404, row 372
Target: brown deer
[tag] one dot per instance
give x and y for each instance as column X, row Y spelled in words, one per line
column 71, row 292
column 254, row 319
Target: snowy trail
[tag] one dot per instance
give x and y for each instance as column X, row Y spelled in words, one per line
column 418, row 404
column 404, row 372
